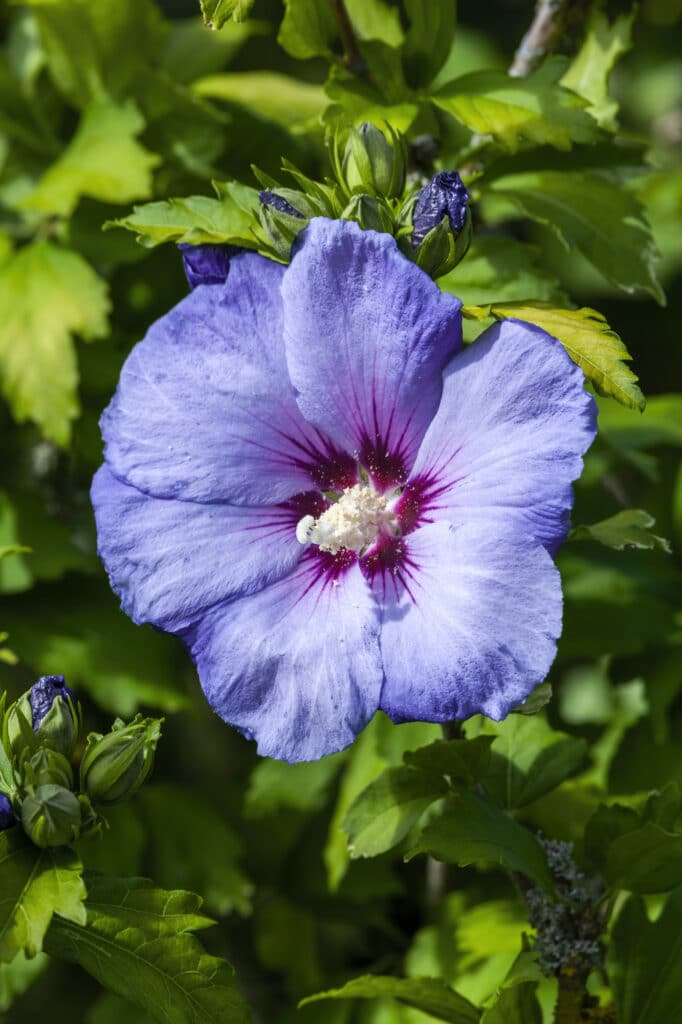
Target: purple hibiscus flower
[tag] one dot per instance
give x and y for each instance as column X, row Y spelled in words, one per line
column 337, row 507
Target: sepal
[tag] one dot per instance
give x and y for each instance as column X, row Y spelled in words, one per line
column 51, row 816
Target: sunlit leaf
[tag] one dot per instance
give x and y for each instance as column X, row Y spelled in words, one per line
column 137, row 942
column 590, row 343
column 103, row 160
column 34, row 885
column 535, row 110
column 589, row 71
column 217, row 12
column 384, row 813
column 630, row 528
column 47, row 294
column 430, row 995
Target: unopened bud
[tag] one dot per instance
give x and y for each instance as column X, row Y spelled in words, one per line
column 55, row 715
column 51, row 816
column 7, row 816
column 369, row 213
column 115, row 766
column 48, row 767
column 279, row 203
column 372, row 164
column 206, row 264
column 444, row 196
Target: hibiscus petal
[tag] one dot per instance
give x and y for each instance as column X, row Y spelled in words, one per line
column 295, row 666
column 512, row 425
column 367, row 336
column 169, row 560
column 204, row 409
column 470, row 621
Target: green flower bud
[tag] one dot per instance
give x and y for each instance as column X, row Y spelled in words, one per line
column 369, row 213
column 370, row 163
column 60, row 727
column 48, row 767
column 115, row 766
column 51, row 816
column 17, row 730
column 47, row 714
column 440, row 250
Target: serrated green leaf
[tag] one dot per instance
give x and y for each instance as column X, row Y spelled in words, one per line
column 630, row 528
column 197, row 219
column 473, row 830
column 217, row 12
column 387, row 809
column 594, row 214
column 644, row 962
column 137, row 943
column 589, row 71
column 47, row 294
column 518, row 112
column 590, row 343
column 430, row 995
column 34, row 885
column 104, row 160
column 308, row 29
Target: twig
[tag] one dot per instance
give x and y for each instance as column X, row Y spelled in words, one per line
column 540, row 38
column 349, row 41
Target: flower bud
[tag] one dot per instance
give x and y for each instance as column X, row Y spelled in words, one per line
column 372, row 164
column 48, row 767
column 51, row 816
column 444, row 196
column 206, row 264
column 369, row 213
column 279, row 203
column 115, row 766
column 7, row 817
column 55, row 717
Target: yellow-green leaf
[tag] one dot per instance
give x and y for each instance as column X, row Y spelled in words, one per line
column 268, row 93
column 47, row 294
column 34, row 885
column 588, row 74
column 217, row 12
column 103, row 160
column 589, row 341
column 519, row 112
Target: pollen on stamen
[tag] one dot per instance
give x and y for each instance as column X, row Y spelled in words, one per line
column 354, row 522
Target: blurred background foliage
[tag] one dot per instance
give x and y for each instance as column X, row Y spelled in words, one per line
column 120, row 101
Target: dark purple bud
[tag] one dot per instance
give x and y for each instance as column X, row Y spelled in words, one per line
column 42, row 696
column 268, row 198
column 206, row 264
column 7, row 818
column 444, row 196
